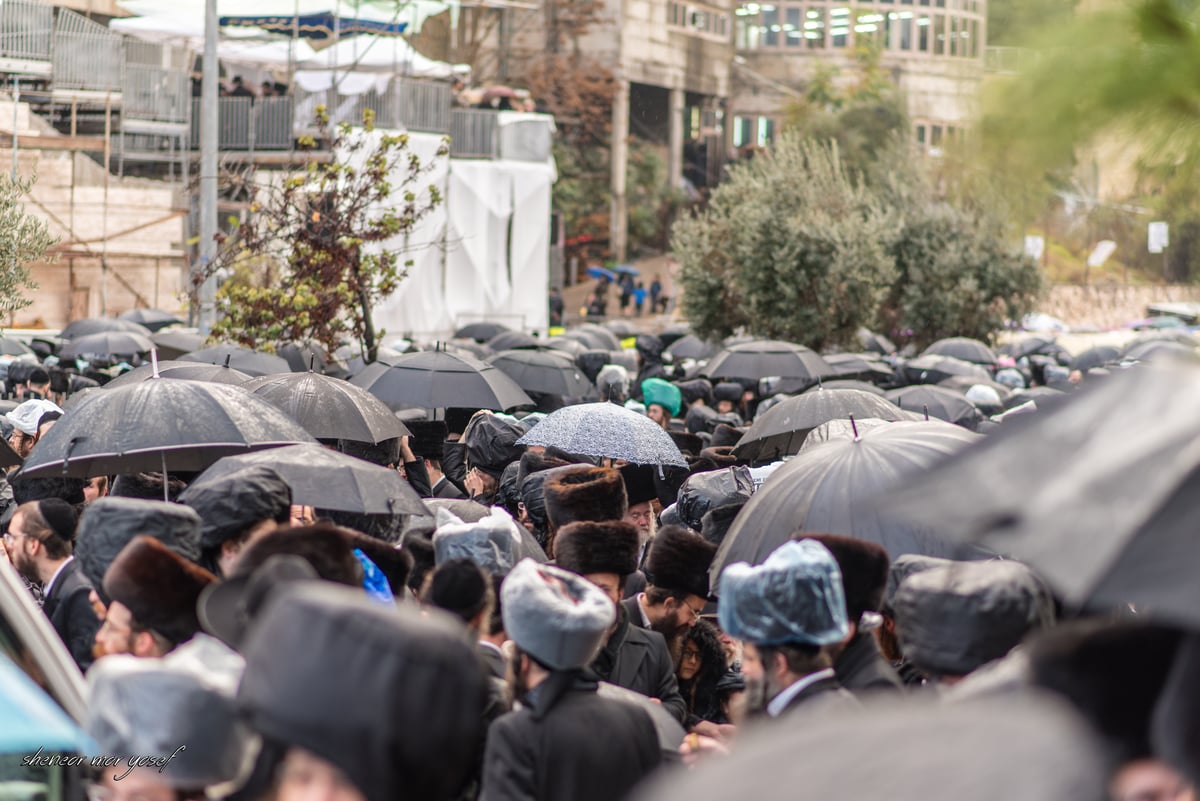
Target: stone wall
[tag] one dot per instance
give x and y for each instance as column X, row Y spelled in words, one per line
column 1110, row 306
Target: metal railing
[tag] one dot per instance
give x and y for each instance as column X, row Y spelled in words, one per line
column 246, row 123
column 86, row 55
column 410, row 103
column 26, row 30
column 154, row 93
column 423, row 105
column 473, row 133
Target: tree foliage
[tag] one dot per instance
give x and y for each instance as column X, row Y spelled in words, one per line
column 310, row 262
column 792, row 247
column 26, row 239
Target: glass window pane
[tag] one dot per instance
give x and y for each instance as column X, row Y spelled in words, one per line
column 793, row 27
column 839, row 26
column 924, row 26
column 939, row 35
column 770, row 26
column 920, row 134
column 814, row 28
column 935, row 136
column 749, row 37
column 868, row 26
column 954, row 39
column 906, row 30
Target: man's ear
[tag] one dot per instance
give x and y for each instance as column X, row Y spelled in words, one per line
column 144, row 645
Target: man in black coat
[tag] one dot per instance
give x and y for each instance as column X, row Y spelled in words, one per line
column 566, row 741
column 605, row 553
column 40, row 541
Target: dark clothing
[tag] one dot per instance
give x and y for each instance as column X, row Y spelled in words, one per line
column 634, row 584
column 418, row 478
column 639, row 660
column 556, row 309
column 71, row 613
column 822, row 694
column 495, row 660
column 444, row 489
column 634, row 610
column 570, row 744
column 862, row 667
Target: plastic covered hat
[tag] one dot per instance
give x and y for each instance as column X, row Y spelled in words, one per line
column 795, row 597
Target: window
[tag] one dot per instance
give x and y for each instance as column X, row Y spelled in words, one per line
column 748, row 35
column 814, row 28
column 921, row 134
column 923, row 28
column 939, row 35
column 770, row 26
column 905, row 34
column 793, row 27
column 766, row 131
column 935, row 136
column 954, row 40
column 743, row 130
column 839, row 27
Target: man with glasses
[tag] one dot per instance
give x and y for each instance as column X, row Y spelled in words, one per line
column 25, row 420
column 677, row 585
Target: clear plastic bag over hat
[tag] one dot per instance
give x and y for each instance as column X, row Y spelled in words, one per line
column 794, row 597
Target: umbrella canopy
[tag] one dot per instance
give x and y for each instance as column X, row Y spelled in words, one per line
column 627, row 269
column 965, row 348
column 840, row 429
column 1095, row 357
column 1030, row 346
column 480, row 332
column 988, row 749
column 824, row 489
column 173, row 344
column 622, row 328
column 250, row 362
column 601, row 272
column 867, row 366
column 1156, row 349
column 940, row 402
column 440, row 380
column 1182, row 337
column 846, row 383
column 465, row 347
column 691, row 346
column 1098, row 495
column 604, row 339
column 329, row 408
column 762, row 358
column 107, row 344
column 32, row 721
column 607, row 431
column 572, row 347
column 153, row 319
column 327, row 479
column 512, row 340
column 875, row 343
column 782, row 430
column 98, row 325
column 670, row 732
column 303, row 356
column 933, row 368
column 177, row 426
column 549, row 372
column 10, row 346
column 962, row 383
column 189, row 371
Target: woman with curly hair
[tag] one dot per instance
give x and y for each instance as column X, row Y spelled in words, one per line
column 701, row 667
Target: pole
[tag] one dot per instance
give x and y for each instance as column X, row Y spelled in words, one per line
column 16, row 107
column 208, row 169
column 104, row 212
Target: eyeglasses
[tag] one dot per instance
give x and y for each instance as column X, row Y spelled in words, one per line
column 691, row 653
column 695, row 612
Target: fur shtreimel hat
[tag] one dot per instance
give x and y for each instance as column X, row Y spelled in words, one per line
column 589, row 493
column 864, row 567
column 558, row 618
column 728, row 391
column 679, row 560
column 159, row 587
column 606, row 547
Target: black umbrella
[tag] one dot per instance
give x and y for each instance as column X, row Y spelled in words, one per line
column 673, row 333
column 440, row 380
column 173, row 344
column 848, row 383
column 622, row 329
column 466, row 347
column 875, row 343
column 865, row 366
column 549, row 372
column 153, row 319
column 512, row 340
column 1165, row 335
column 964, row 348
column 354, row 362
column 781, row 431
column 939, row 402
column 189, row 371
column 250, row 362
column 303, row 356
column 1000, row 748
column 159, row 426
column 480, row 332
column 327, row 479
column 1043, row 397
column 9, row 346
column 1159, row 349
column 962, row 383
column 601, row 335
column 567, row 345
column 99, row 325
column 1095, row 357
column 1030, row 346
column 107, row 344
column 1098, row 495
column 762, row 358
column 933, row 368
column 329, row 408
column 691, row 347
column 823, row 490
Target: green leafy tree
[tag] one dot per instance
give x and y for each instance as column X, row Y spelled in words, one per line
column 309, row 264
column 26, row 239
column 790, row 247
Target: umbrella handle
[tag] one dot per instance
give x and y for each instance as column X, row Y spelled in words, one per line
column 854, row 428
column 154, row 362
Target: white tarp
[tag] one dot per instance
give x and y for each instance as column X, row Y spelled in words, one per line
column 369, row 53
column 177, row 13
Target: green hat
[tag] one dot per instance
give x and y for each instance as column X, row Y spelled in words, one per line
column 665, row 394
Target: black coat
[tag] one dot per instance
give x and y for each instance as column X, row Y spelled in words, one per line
column 571, row 745
column 445, row 489
column 496, row 662
column 72, row 615
column 639, row 660
column 819, row 696
column 862, row 667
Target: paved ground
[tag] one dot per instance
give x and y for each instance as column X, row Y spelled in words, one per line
column 575, row 297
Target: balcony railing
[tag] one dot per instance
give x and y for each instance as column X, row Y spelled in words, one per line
column 410, row 103
column 156, row 94
column 473, row 133
column 484, row 134
column 246, row 123
column 87, row 56
column 26, row 30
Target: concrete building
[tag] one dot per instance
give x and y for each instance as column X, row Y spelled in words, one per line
column 935, row 50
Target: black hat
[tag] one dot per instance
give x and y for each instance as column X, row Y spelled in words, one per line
column 233, row 503
column 107, row 525
column 704, row 491
column 713, row 459
column 37, row 488
column 864, row 566
column 60, row 517
column 679, row 560
column 725, row 435
column 696, row 389
column 640, row 484
column 147, row 486
column 697, row 418
column 597, row 547
column 728, row 391
column 460, row 587
column 427, row 438
column 227, row 609
column 537, row 462
column 392, row 697
column 584, row 493
column 159, row 587
column 687, row 442
column 491, row 444
column 717, row 521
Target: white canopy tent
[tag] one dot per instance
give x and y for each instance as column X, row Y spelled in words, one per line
column 368, row 53
column 189, row 14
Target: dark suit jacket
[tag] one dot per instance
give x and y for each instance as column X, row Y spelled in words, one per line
column 444, row 489
column 72, row 615
column 642, row 664
column 496, row 663
column 633, row 609
column 823, row 694
column 570, row 745
column 863, row 668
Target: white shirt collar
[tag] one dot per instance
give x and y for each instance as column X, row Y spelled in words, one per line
column 50, row 583
column 779, row 703
column 641, row 599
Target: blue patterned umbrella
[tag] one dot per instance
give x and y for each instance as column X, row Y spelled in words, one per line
column 31, row 719
column 608, row 431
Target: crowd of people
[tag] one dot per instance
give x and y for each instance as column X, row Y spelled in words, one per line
column 554, row 628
